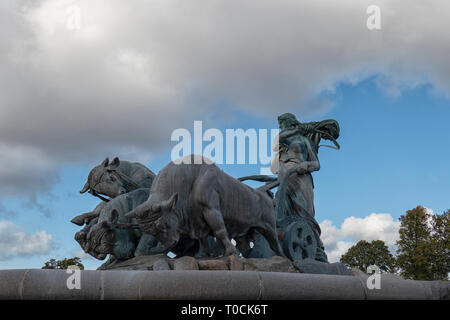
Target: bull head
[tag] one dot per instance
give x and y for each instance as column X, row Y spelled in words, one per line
column 99, row 241
column 113, row 165
column 87, row 185
column 145, row 211
column 151, row 212
column 158, row 220
column 105, row 179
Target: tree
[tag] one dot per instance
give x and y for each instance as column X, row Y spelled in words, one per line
column 415, row 252
column 63, row 264
column 440, row 244
column 365, row 254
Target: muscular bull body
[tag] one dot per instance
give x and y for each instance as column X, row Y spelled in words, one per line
column 198, row 200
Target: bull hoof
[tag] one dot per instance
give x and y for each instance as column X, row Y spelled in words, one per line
column 231, row 252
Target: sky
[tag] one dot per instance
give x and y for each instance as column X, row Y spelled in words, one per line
column 84, row 80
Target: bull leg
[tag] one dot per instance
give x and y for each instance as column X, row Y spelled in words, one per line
column 205, row 245
column 243, row 243
column 271, row 238
column 214, row 219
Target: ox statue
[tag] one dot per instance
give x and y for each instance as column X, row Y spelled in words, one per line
column 196, row 199
column 109, row 232
column 117, row 177
column 101, row 236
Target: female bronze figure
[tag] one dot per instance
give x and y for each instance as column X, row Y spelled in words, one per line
column 297, row 158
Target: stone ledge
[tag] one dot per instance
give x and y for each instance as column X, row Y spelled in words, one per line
column 211, row 285
column 232, row 263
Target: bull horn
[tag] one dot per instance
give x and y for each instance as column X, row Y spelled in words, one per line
column 105, row 162
column 84, row 218
column 85, row 188
column 115, row 163
column 79, row 220
column 131, row 214
column 171, row 202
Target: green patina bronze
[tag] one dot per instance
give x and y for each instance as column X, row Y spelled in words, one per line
column 298, row 147
column 209, row 209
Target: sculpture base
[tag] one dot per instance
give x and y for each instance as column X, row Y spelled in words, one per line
column 208, row 285
column 161, row 262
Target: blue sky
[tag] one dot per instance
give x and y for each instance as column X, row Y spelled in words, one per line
column 119, row 77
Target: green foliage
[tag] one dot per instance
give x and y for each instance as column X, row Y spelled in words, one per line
column 423, row 247
column 365, row 254
column 63, row 264
column 440, row 244
column 414, row 250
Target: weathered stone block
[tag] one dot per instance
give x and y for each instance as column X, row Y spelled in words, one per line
column 161, row 265
column 185, row 263
column 138, row 263
column 274, row 264
column 235, row 263
column 317, row 267
column 212, row 265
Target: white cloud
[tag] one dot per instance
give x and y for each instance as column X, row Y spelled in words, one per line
column 339, row 248
column 15, row 242
column 28, row 166
column 376, row 226
column 137, row 69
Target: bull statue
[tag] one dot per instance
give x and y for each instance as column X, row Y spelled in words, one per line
column 196, row 199
column 108, row 232
column 113, row 179
column 117, row 177
column 102, row 234
column 89, row 219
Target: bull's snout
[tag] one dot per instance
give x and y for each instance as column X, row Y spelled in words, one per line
column 80, row 235
column 85, row 188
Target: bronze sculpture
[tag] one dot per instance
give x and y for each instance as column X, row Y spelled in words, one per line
column 199, row 199
column 297, row 158
column 212, row 211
